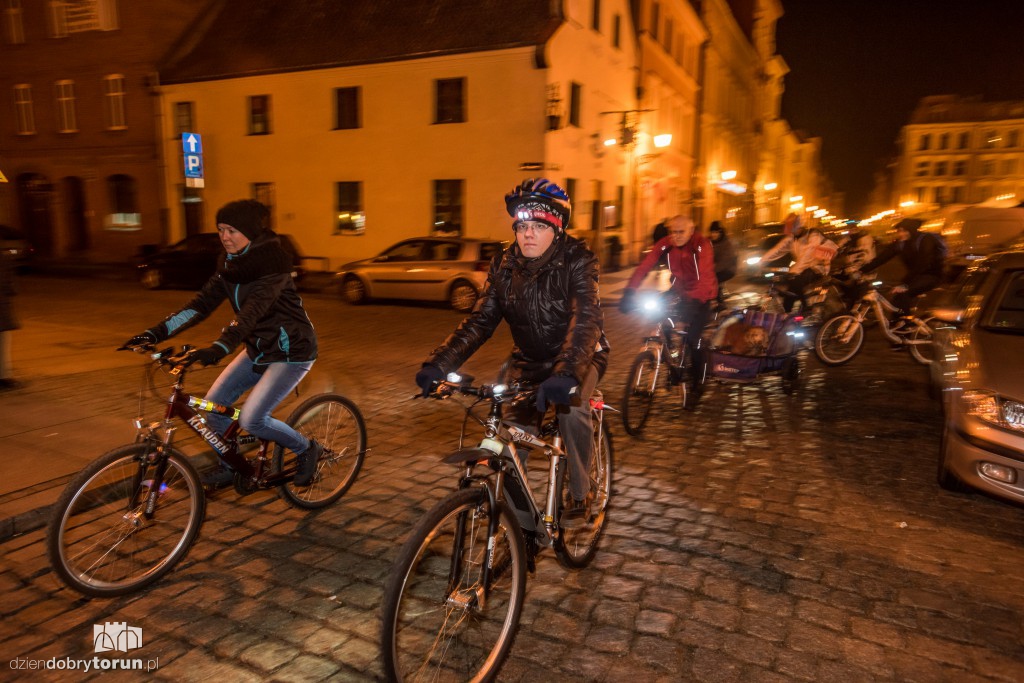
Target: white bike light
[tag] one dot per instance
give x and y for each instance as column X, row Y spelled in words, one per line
column 652, row 304
column 454, row 378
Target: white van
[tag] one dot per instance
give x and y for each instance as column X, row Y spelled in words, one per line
column 977, row 231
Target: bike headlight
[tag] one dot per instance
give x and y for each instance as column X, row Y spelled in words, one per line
column 454, row 378
column 993, row 409
column 651, row 304
column 753, row 260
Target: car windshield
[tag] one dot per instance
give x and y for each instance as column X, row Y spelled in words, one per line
column 1007, row 312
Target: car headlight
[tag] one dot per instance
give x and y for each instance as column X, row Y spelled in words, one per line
column 993, row 409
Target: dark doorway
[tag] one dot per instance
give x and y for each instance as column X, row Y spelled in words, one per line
column 78, row 225
column 35, row 197
column 192, row 210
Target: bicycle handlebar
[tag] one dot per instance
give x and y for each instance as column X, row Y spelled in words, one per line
column 168, row 357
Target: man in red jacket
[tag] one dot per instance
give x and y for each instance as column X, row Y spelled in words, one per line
column 691, row 260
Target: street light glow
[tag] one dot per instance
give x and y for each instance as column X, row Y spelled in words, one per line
column 770, row 186
column 663, row 140
column 728, row 175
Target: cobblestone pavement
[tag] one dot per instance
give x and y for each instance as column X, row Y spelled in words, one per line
column 759, row 538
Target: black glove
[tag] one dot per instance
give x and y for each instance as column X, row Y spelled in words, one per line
column 556, row 390
column 211, row 355
column 428, row 377
column 627, row 303
column 146, row 337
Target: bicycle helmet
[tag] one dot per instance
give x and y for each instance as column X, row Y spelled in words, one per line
column 539, row 199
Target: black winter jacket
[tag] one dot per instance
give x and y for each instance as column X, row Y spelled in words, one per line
column 921, row 253
column 269, row 317
column 554, row 315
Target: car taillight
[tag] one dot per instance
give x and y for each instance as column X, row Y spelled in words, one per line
column 482, row 266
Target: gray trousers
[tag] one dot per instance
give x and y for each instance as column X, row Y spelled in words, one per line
column 576, row 427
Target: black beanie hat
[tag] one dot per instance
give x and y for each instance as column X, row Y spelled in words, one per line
column 247, row 216
column 910, row 224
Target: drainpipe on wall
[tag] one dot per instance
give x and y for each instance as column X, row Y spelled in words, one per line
column 697, row 177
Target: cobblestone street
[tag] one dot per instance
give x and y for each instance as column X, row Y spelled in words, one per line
column 762, row 537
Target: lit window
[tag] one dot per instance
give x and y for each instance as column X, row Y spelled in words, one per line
column 259, row 115
column 124, row 211
column 113, row 92
column 66, row 122
column 24, row 115
column 448, row 202
column 14, row 28
column 350, row 219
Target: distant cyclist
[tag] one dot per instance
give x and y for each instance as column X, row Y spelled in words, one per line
column 254, row 276
column 812, row 254
column 923, row 255
column 545, row 286
column 691, row 261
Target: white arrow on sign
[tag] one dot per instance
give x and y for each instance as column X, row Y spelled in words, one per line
column 191, row 140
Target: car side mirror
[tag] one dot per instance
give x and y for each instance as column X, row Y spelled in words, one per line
column 949, row 314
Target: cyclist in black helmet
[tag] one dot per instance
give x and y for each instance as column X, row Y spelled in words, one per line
column 545, row 287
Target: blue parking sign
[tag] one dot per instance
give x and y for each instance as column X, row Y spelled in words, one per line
column 191, row 143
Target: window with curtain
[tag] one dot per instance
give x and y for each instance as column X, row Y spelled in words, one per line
column 113, row 96
column 14, row 26
column 65, row 95
column 23, row 112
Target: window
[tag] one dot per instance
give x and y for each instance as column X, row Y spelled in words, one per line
column 957, row 196
column 570, row 189
column 960, row 167
column 940, row 168
column 924, row 142
column 25, row 118
column 66, row 107
column 58, row 19
column 264, row 194
column 124, row 212
column 411, row 250
column 965, row 141
column 655, row 20
column 1013, row 139
column 346, row 108
column 259, row 115
column 940, row 195
column 14, row 27
column 595, row 17
column 113, row 98
column 77, row 16
column 575, row 94
column 617, row 31
column 988, row 167
column 991, row 139
column 921, row 169
column 349, row 216
column 448, row 202
column 1009, row 166
column 449, row 95
column 184, row 118
column 944, row 141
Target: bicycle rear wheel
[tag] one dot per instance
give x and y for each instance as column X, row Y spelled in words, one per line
column 101, row 541
column 839, row 340
column 575, row 548
column 638, row 397
column 921, row 347
column 337, row 425
column 438, row 621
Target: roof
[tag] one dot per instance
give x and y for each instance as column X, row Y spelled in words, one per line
column 251, row 37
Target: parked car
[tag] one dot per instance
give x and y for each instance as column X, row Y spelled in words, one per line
column 190, row 263
column 452, row 269
column 17, row 246
column 979, row 368
column 977, row 231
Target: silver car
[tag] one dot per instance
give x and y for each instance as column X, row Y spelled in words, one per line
column 451, row 269
column 980, row 369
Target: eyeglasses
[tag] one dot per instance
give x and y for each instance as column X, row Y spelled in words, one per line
column 523, row 227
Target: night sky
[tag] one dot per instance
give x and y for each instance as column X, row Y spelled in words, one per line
column 859, row 67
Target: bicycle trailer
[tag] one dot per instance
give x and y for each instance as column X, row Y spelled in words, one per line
column 750, row 344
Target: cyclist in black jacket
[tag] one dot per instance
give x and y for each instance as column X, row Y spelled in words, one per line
column 545, row 287
column 923, row 254
column 254, row 276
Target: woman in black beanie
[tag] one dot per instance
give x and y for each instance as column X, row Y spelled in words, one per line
column 255, row 276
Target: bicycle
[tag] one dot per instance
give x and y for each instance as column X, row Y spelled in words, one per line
column 455, row 594
column 666, row 345
column 132, row 514
column 841, row 338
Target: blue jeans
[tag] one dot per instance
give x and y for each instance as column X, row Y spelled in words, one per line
column 268, row 390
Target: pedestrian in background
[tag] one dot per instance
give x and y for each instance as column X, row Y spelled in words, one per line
column 8, row 323
column 725, row 255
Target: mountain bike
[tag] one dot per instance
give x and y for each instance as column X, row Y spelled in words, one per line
column 132, row 514
column 665, row 353
column 455, row 594
column 841, row 338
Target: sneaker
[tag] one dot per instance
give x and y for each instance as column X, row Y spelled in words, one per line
column 577, row 514
column 306, row 462
column 218, row 477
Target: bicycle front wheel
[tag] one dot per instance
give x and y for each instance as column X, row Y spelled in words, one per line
column 638, row 397
column 101, row 540
column 440, row 622
column 839, row 340
column 575, row 548
column 337, row 425
column 921, row 347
